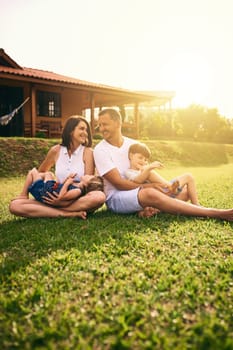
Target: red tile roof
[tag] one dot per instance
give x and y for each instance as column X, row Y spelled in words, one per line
column 10, row 67
column 50, row 76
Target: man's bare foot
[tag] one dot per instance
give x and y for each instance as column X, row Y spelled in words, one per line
column 148, row 212
column 226, row 214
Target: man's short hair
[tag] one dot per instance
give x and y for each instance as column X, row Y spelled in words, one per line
column 114, row 114
column 140, row 148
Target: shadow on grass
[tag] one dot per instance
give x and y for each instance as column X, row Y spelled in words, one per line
column 24, row 240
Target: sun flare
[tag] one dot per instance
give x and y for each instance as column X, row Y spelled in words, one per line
column 189, row 76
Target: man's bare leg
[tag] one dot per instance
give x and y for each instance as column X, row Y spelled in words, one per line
column 153, row 198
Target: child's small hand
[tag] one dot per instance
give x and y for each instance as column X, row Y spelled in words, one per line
column 72, row 175
column 156, row 164
column 69, row 180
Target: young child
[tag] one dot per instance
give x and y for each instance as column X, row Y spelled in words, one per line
column 40, row 184
column 141, row 171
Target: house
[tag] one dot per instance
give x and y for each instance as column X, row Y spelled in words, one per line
column 52, row 98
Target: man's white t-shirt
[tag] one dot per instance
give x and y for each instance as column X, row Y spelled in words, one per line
column 108, row 157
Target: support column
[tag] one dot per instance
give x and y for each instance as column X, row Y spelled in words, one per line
column 136, row 119
column 33, row 111
column 92, row 98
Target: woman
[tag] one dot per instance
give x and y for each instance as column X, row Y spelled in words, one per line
column 73, row 155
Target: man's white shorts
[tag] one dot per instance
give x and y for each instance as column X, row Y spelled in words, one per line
column 124, row 202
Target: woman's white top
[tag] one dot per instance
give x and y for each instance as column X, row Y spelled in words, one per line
column 65, row 164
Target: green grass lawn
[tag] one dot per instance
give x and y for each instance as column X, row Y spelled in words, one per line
column 119, row 282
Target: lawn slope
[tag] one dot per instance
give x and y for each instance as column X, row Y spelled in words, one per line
column 18, row 155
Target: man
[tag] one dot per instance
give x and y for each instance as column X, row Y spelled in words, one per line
column 125, row 196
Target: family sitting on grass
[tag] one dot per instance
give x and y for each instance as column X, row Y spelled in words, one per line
column 131, row 184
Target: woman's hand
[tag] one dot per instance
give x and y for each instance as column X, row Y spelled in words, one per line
column 53, row 200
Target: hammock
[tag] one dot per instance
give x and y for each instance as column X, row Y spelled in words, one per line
column 5, row 119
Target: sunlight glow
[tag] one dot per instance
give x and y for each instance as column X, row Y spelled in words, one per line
column 159, row 45
column 189, row 76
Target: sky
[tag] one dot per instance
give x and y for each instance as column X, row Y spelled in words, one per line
column 161, row 45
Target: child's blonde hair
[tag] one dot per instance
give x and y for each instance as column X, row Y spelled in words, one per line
column 140, row 148
column 96, row 184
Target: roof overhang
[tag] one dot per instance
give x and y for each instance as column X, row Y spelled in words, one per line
column 103, row 95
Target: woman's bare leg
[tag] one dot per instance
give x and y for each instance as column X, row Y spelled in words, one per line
column 91, row 201
column 32, row 209
column 149, row 197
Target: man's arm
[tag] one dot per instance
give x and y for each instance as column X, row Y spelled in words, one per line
column 113, row 176
column 106, row 168
column 142, row 176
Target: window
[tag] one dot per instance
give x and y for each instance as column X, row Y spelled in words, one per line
column 48, row 104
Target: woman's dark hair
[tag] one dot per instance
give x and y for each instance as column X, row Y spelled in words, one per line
column 69, row 127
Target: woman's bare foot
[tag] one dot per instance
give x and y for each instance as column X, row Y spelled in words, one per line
column 76, row 214
column 148, row 212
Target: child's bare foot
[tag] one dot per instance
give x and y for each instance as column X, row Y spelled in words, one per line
column 174, row 187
